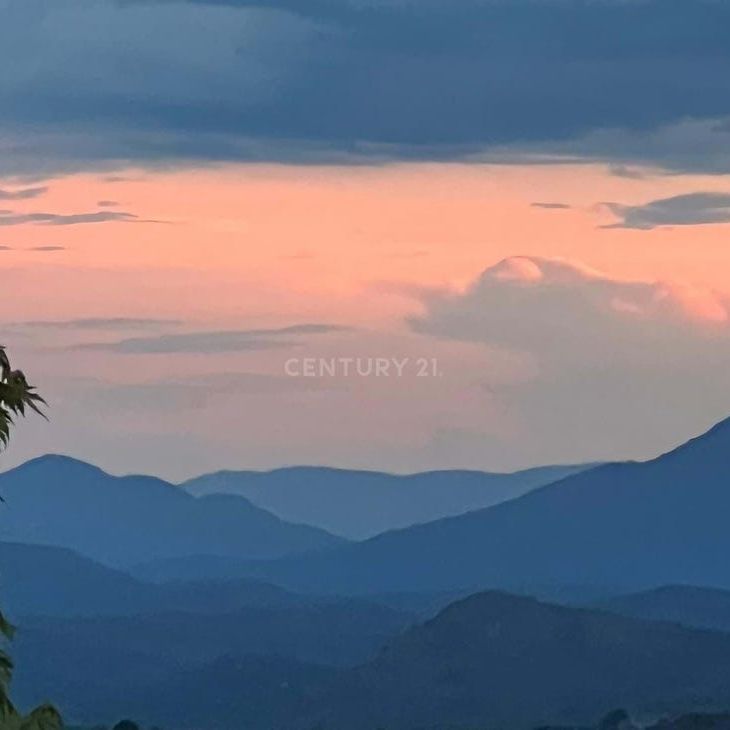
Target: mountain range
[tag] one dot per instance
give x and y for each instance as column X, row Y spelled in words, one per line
column 37, row 580
column 498, row 660
column 218, row 521
column 627, row 526
column 361, row 504
column 614, row 528
column 490, row 660
column 209, row 611
column 121, row 521
column 107, row 660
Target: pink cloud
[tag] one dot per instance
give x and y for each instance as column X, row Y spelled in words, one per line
column 563, row 310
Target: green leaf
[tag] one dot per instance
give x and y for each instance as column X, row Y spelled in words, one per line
column 16, row 395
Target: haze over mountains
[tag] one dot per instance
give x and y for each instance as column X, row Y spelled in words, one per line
column 37, row 580
column 702, row 608
column 210, row 612
column 113, row 657
column 613, row 528
column 120, row 521
column 626, row 526
column 228, row 516
column 361, row 504
column 491, row 660
column 498, row 660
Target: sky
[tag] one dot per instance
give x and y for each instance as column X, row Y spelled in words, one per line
column 377, row 234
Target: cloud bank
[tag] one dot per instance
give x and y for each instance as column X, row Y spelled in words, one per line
column 565, row 312
column 607, row 363
column 194, row 82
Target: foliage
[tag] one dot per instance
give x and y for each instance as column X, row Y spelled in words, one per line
column 16, row 395
column 42, row 718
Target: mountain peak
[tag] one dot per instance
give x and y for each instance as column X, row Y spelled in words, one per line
column 481, row 605
column 58, row 463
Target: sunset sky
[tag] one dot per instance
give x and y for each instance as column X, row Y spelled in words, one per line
column 531, row 197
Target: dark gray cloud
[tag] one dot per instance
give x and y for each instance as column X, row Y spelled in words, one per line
column 22, row 194
column 692, row 145
column 552, row 206
column 107, row 203
column 47, row 249
column 58, row 219
column 691, row 209
column 212, row 341
column 358, row 81
column 6, row 248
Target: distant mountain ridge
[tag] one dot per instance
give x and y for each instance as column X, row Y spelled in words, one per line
column 499, row 660
column 278, row 648
column 629, row 526
column 361, row 504
column 695, row 606
column 490, row 660
column 121, row 521
column 38, row 580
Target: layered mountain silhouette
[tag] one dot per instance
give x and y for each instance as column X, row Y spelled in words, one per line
column 361, row 504
column 268, row 641
column 498, row 660
column 121, row 521
column 627, row 526
column 490, row 660
column 38, row 580
column 105, row 659
column 704, row 608
column 191, row 568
